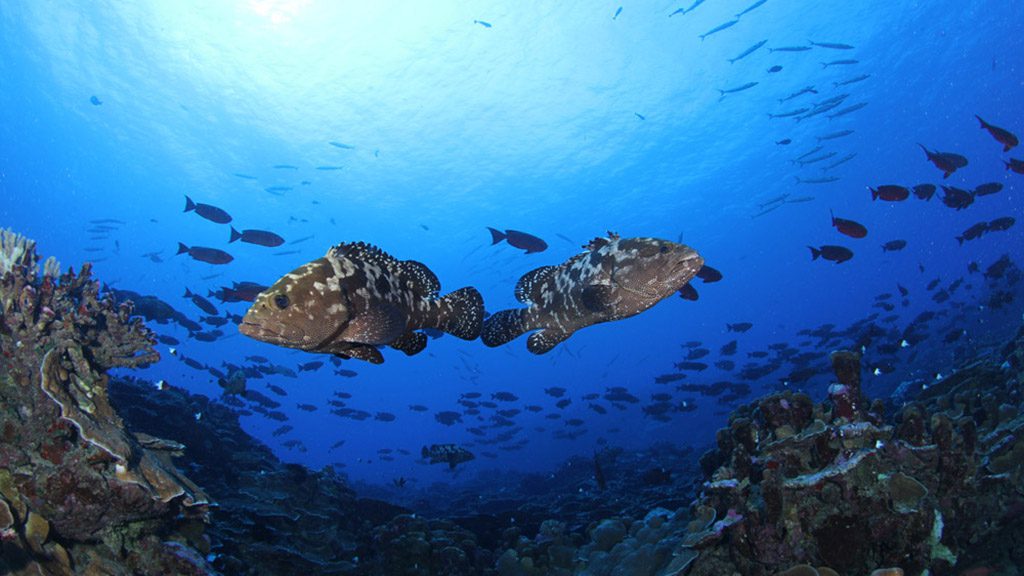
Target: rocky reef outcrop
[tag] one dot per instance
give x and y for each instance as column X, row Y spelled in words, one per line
column 79, row 494
column 838, row 484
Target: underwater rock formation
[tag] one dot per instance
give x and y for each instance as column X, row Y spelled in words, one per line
column 79, row 494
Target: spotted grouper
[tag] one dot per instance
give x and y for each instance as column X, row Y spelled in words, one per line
column 357, row 298
column 613, row 278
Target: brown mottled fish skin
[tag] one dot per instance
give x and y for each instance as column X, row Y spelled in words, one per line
column 357, row 298
column 614, row 278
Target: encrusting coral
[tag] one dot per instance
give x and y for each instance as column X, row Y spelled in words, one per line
column 77, row 491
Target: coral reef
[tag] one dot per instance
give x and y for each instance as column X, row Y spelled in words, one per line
column 834, row 485
column 79, row 494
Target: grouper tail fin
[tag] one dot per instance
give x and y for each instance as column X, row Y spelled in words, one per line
column 461, row 313
column 503, row 327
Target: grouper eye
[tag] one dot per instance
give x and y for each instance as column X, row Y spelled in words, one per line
column 281, row 301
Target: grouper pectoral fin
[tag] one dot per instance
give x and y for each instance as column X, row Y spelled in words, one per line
column 543, row 341
column 597, row 297
column 358, row 351
column 411, row 343
column 375, row 325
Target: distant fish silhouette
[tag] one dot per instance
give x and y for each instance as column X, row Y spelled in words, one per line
column 95, row 101
column 521, row 240
column 482, row 23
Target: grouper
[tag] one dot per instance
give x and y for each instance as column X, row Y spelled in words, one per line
column 357, row 298
column 614, row 278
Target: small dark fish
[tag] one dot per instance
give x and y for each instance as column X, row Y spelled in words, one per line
column 957, row 198
column 1015, row 165
column 834, row 135
column 285, row 167
column 790, row 49
column 555, row 391
column 1003, row 136
column 853, row 80
column 752, row 7
column 310, row 366
column 300, row 240
column 748, row 51
column 688, row 292
column 740, row 327
column 894, row 245
column 168, row 340
column 825, row 180
column 306, row 407
column 617, row 12
column 561, row 404
column 517, row 239
column 784, row 142
column 890, row 193
column 277, row 390
column 1001, row 224
column 640, row 116
column 418, row 408
column 504, row 397
column 719, row 28
column 801, row 92
column 482, row 23
column 988, row 189
column 972, row 233
column 691, row 366
column 329, row 168
column 924, row 191
column 709, row 274
column 746, row 86
column 260, row 237
column 729, row 348
column 210, row 212
column 839, row 63
column 203, row 254
column 849, row 227
column 447, row 453
column 341, row 145
column 244, row 176
column 948, row 162
column 832, row 45
column 282, row 430
column 277, row 190
column 447, row 417
column 344, row 373
column 847, row 110
column 775, row 69
column 790, row 114
column 95, row 101
column 837, row 254
column 384, row 417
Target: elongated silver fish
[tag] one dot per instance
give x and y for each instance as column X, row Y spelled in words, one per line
column 356, row 298
column 614, row 278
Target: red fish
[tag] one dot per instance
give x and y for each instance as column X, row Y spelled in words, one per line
column 688, row 292
column 837, row 254
column 1003, row 136
column 890, row 192
column 948, row 162
column 849, row 227
column 208, row 255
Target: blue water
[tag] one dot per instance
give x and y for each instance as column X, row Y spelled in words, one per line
column 559, row 119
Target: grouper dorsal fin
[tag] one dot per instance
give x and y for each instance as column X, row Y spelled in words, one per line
column 418, row 278
column 528, row 289
column 363, row 252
